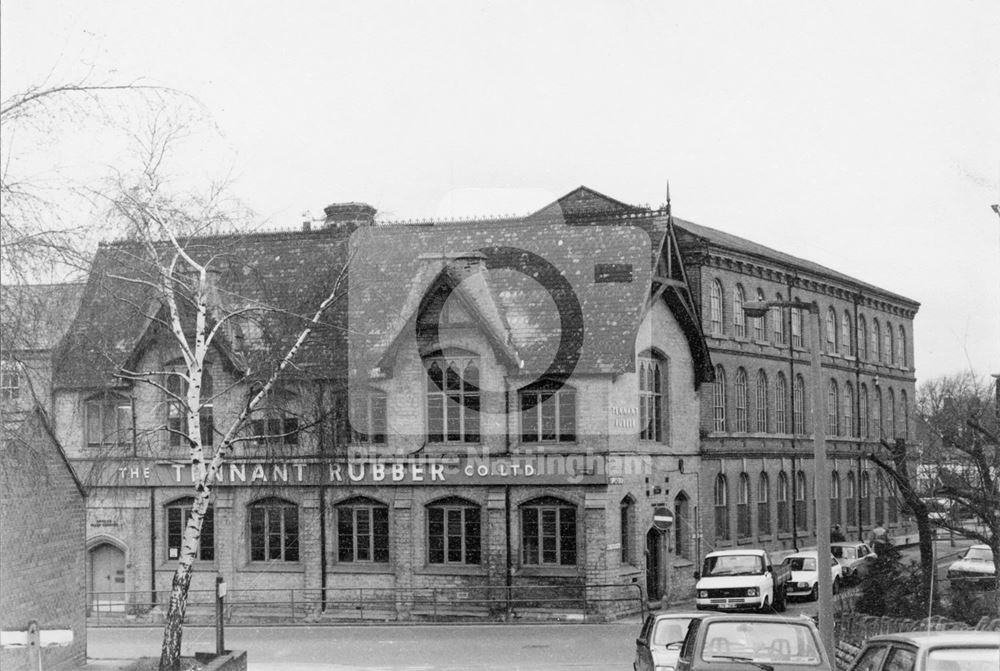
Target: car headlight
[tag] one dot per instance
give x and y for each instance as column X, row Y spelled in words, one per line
column 703, row 594
column 753, row 591
column 803, row 585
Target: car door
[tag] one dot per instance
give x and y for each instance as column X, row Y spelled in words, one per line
column 871, row 658
column 900, row 658
column 643, row 657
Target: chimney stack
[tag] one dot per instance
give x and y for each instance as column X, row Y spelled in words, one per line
column 349, row 215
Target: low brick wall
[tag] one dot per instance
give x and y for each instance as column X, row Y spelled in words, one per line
column 855, row 628
column 233, row 660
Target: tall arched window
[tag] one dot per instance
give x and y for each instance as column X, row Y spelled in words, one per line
column 548, row 532
column 892, row 502
column 178, row 513
column 761, row 401
column 904, row 361
column 454, row 532
column 362, row 531
column 866, row 509
column 548, row 412
column 781, row 404
column 784, row 521
column 887, row 344
column 763, row 504
column 831, row 330
column 682, row 526
column 778, row 324
column 652, row 386
column 851, row 500
column 626, row 510
column 876, row 342
column 797, row 340
column 741, row 400
column 890, row 415
column 759, row 323
column 798, row 405
column 739, row 318
column 800, row 501
column 452, row 397
column 743, row 506
column 845, row 334
column 847, row 426
column 835, row 498
column 715, row 308
column 864, row 415
column 719, row 400
column 833, row 409
column 721, row 508
column 862, row 338
column 904, row 411
column 879, row 500
column 877, row 414
column 274, row 530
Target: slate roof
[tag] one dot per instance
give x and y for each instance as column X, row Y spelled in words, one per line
column 35, row 316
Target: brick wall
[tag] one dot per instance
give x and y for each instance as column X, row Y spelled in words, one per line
column 43, row 570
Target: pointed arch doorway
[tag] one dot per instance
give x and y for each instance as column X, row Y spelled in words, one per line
column 654, row 564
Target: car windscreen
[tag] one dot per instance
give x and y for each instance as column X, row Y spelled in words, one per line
column 802, row 563
column 964, row 659
column 769, row 642
column 979, row 554
column 733, row 565
column 670, row 631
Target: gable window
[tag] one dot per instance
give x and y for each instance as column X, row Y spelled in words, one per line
column 739, row 318
column 862, row 338
column 548, row 532
column 761, row 399
column 178, row 513
column 548, row 413
column 741, row 400
column 719, row 400
column 798, row 405
column 10, row 381
column 652, row 382
column 715, row 308
column 363, row 531
column 454, row 532
column 272, row 424
column 848, row 411
column 721, row 507
column 850, row 500
column 759, row 323
column 274, row 530
column 372, row 411
column 626, row 510
column 800, row 501
column 833, row 409
column 781, row 404
column 845, row 334
column 452, row 398
column 831, row 331
column 177, row 415
column 108, row 420
column 784, row 523
column 763, row 504
column 743, row 506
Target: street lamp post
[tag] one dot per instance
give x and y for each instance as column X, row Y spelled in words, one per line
column 822, row 486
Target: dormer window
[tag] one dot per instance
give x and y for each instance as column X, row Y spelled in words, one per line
column 108, row 420
column 452, row 397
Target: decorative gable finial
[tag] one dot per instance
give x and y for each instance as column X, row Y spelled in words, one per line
column 668, row 197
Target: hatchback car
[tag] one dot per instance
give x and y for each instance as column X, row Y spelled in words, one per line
column 855, row 557
column 804, row 580
column 976, row 567
column 931, row 651
column 660, row 639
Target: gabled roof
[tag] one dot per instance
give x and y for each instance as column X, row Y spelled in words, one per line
column 35, row 316
column 583, row 202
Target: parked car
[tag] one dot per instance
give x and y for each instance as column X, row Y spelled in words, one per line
column 730, row 642
column 804, row 579
column 856, row 559
column 977, row 567
column 930, row 651
column 660, row 639
column 736, row 579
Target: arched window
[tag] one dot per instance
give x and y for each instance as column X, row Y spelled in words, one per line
column 862, row 338
column 652, row 397
column 682, row 526
column 864, row 416
column 879, row 500
column 876, row 342
column 778, row 324
column 781, row 404
column 831, row 330
column 763, row 504
column 866, row 510
column 835, row 498
column 548, row 413
column 890, row 415
column 548, row 532
column 743, row 506
column 176, row 401
column 904, row 360
column 851, row 500
column 892, row 502
column 715, row 308
column 904, row 411
column 626, row 510
column 363, row 531
column 796, row 316
column 759, row 323
column 274, row 530
column 108, row 419
column 784, row 522
column 454, row 532
column 739, row 318
column 741, row 400
column 178, row 513
column 833, row 409
column 719, row 400
column 798, row 405
column 847, row 426
column 887, row 344
column 800, row 501
column 877, row 414
column 452, row 398
column 761, row 401
column 845, row 334
column 721, row 507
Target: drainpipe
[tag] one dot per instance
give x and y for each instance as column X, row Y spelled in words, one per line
column 508, row 558
column 152, row 547
column 791, row 407
column 857, row 386
column 322, row 549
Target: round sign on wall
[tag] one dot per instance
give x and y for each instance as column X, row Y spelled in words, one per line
column 662, row 518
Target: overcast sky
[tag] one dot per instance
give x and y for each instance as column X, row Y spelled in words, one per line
column 861, row 135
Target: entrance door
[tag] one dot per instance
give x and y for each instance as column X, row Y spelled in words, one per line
column 654, row 540
column 107, row 578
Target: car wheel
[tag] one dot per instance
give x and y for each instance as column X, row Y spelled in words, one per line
column 836, row 585
column 780, row 600
column 814, row 594
column 765, row 605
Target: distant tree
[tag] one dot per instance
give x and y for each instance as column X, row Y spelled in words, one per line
column 892, row 588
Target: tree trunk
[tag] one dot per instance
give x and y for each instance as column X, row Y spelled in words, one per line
column 170, row 653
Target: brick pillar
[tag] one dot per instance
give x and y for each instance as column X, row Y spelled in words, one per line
column 496, row 548
column 594, row 551
column 309, row 551
column 402, row 552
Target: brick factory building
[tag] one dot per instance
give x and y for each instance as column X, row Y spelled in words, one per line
column 495, row 407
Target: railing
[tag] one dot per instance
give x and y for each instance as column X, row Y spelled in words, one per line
column 495, row 603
